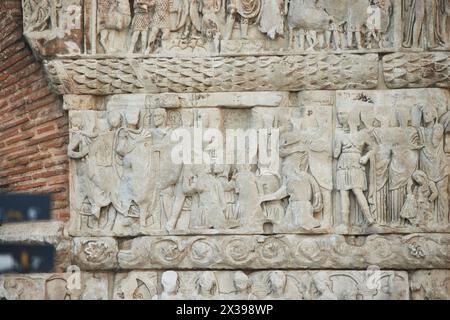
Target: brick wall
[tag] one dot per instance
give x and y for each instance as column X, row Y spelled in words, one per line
column 33, row 125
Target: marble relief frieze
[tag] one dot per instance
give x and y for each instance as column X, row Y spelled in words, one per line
column 348, row 162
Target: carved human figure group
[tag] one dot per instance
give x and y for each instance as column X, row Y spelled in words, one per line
column 307, row 24
column 398, row 173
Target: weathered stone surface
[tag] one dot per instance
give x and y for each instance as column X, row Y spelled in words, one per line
column 430, row 285
column 58, row 286
column 209, row 28
column 286, row 252
column 136, row 285
column 178, row 100
column 340, row 109
column 54, row 27
column 95, row 253
column 417, row 70
column 385, row 165
column 372, row 284
column 52, row 233
column 273, row 285
column 240, row 73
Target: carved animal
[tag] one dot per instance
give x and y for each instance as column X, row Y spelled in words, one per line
column 307, row 17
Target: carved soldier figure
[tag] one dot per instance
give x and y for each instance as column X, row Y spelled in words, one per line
column 114, row 16
column 245, row 11
column 374, row 24
column 160, row 22
column 141, row 24
column 132, row 163
column 78, row 149
column 355, row 22
column 210, row 25
column 351, row 175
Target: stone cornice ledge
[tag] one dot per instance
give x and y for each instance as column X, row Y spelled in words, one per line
column 213, row 74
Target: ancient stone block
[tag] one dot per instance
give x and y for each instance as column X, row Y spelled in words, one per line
column 95, row 253
column 238, row 149
column 72, row 285
column 272, row 285
column 387, row 166
column 416, row 70
column 229, row 74
column 286, row 252
column 430, row 285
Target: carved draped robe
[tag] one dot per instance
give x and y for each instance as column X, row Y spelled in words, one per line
column 430, row 15
column 271, row 19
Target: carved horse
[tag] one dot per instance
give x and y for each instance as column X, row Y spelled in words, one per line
column 310, row 20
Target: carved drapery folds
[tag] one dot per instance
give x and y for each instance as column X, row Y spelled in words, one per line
column 387, row 147
column 211, row 26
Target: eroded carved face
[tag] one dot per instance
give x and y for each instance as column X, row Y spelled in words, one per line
column 277, row 281
column 342, row 118
column 77, row 122
column 169, row 281
column 420, row 177
column 241, row 281
column 429, row 114
column 114, row 119
column 159, row 117
column 206, row 282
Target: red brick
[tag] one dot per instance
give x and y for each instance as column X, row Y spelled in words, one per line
column 20, row 137
column 6, row 125
column 30, row 186
column 47, row 128
column 33, row 125
column 12, row 60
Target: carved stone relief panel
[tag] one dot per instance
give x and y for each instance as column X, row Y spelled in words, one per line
column 201, row 285
column 210, row 27
column 95, row 253
column 217, row 74
column 237, row 149
column 430, row 285
column 417, row 70
column 352, row 161
column 298, row 285
column 72, row 285
column 425, row 24
column 54, row 26
column 392, row 170
column 136, row 285
column 125, row 181
column 285, row 252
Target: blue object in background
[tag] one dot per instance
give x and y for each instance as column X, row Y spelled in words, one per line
column 17, row 258
column 24, row 207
